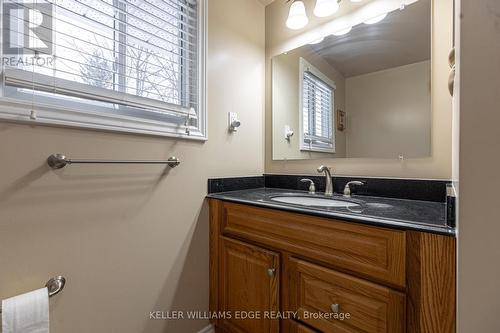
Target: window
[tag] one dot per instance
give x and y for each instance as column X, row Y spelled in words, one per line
column 126, row 65
column 317, row 95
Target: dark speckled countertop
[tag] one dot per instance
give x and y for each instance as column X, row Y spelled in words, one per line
column 386, row 212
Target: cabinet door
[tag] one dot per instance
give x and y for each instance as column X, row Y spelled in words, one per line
column 248, row 287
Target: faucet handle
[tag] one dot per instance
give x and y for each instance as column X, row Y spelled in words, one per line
column 312, row 187
column 347, row 188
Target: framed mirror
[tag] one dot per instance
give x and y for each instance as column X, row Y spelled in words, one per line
column 363, row 91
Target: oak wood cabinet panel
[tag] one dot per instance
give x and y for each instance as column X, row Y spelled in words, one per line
column 377, row 253
column 295, row 327
column 215, row 209
column 372, row 308
column 388, row 280
column 249, row 284
column 431, row 283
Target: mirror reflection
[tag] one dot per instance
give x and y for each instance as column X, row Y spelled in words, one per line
column 363, row 92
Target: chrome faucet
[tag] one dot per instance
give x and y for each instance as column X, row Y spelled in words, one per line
column 347, row 188
column 329, row 182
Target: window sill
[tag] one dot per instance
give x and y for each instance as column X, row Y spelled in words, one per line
column 15, row 111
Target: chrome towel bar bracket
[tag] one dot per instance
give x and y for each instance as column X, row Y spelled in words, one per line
column 54, row 286
column 59, row 161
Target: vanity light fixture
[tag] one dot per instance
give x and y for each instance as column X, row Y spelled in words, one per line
column 376, row 19
column 326, row 8
column 297, row 17
column 342, row 32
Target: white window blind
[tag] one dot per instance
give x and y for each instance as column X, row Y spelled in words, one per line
column 132, row 65
column 317, row 113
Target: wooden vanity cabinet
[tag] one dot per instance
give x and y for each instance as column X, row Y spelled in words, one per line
column 265, row 261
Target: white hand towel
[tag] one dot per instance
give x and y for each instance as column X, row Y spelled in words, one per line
column 26, row 313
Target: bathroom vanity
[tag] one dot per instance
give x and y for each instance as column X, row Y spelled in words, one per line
column 306, row 270
column 367, row 89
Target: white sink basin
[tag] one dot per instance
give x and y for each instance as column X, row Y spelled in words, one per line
column 314, row 202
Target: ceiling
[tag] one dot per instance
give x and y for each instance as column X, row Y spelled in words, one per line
column 265, row 2
column 402, row 38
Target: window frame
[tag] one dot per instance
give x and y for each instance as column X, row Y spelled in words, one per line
column 305, row 66
column 21, row 111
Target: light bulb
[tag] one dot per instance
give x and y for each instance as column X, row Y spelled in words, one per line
column 376, row 19
column 325, row 8
column 297, row 18
column 342, row 32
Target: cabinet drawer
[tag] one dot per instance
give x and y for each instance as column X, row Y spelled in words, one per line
column 334, row 302
column 372, row 252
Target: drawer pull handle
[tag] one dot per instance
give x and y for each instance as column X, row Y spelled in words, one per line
column 271, row 272
column 335, row 308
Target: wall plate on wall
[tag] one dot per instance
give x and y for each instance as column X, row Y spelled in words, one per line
column 288, row 133
column 233, row 122
column 341, row 120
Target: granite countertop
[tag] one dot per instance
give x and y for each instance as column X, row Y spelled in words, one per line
column 386, row 212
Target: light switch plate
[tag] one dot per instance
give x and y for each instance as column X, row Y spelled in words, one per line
column 232, row 118
column 288, row 133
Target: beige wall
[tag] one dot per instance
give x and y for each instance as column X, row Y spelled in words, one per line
column 388, row 112
column 131, row 239
column 286, row 108
column 479, row 222
column 438, row 166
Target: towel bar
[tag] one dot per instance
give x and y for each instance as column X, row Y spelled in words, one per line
column 59, row 161
column 54, row 286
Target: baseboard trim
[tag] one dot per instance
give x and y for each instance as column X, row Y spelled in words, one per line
column 208, row 329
